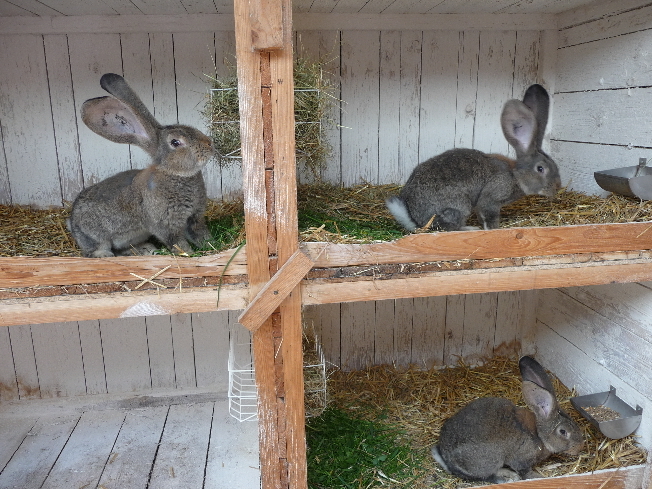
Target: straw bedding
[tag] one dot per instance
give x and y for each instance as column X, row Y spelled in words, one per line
column 31, row 232
column 419, row 401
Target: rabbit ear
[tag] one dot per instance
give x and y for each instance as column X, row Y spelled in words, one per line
column 123, row 119
column 538, row 100
column 542, row 402
column 519, row 127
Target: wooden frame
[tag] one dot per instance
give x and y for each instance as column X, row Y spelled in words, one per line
column 39, row 290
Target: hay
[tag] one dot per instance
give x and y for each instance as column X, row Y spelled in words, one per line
column 34, row 232
column 419, row 401
column 314, row 101
column 30, row 232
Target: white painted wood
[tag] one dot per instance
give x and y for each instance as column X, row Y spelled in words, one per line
column 438, row 84
column 153, row 7
column 467, row 88
column 181, row 458
column 8, row 385
column 495, row 81
column 577, row 162
column 621, row 352
column 91, row 346
column 22, row 350
column 133, row 453
column 137, row 70
column 409, row 103
column 31, row 463
column 116, row 24
column 184, row 358
column 63, row 115
column 389, row 122
column 608, row 26
column 604, row 117
column 199, row 6
column 428, row 331
column 92, row 55
column 27, row 130
column 229, row 464
column 90, row 7
column 357, row 333
column 163, row 78
column 453, row 342
column 588, row 11
column 376, row 6
column 510, row 325
column 211, row 346
column 526, row 62
column 13, row 432
column 326, row 321
column 348, row 6
column 59, row 362
column 615, row 62
column 403, row 331
column 161, row 351
column 5, row 187
column 578, row 370
column 479, row 327
column 360, row 90
column 8, row 9
column 82, row 460
column 126, row 359
column 384, row 348
column 36, row 7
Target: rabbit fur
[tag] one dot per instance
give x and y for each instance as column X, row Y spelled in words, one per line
column 492, row 439
column 444, row 190
column 166, row 200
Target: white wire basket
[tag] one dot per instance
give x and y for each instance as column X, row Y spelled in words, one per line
column 243, row 395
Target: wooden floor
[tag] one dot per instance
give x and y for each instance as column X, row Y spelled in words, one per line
column 153, row 441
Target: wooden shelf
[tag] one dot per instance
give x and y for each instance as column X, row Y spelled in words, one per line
column 44, row 290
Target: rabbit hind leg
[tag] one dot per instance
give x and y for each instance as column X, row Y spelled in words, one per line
column 452, row 219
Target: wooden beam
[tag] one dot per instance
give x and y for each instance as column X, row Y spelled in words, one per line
column 122, row 304
column 266, row 17
column 625, row 478
column 270, row 297
column 496, row 243
column 474, row 281
column 32, row 271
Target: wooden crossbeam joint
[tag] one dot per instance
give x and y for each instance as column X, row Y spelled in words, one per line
column 274, row 292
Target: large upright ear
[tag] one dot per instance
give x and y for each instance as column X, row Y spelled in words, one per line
column 541, row 401
column 519, row 127
column 537, row 99
column 122, row 118
column 532, row 371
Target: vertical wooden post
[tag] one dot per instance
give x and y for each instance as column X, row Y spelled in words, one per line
column 266, row 92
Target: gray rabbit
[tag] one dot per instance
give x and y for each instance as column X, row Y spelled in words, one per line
column 166, row 200
column 491, row 439
column 448, row 187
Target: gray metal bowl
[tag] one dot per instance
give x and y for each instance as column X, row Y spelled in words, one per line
column 625, row 425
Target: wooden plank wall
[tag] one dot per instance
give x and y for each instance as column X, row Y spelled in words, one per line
column 602, row 117
column 130, row 355
column 191, row 350
column 407, row 95
column 594, row 337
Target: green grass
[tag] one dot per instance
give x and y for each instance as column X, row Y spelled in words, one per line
column 334, row 222
column 346, row 453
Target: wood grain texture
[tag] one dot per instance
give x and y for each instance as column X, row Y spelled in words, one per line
column 266, row 17
column 34, row 271
column 499, row 243
column 275, row 291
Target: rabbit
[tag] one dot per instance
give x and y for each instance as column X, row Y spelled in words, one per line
column 445, row 189
column 493, row 440
column 166, row 200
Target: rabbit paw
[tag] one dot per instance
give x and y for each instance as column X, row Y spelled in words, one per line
column 506, row 475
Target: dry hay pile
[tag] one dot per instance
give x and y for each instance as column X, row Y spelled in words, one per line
column 31, row 232
column 419, row 401
column 314, row 102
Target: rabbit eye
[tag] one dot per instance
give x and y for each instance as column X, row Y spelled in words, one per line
column 562, row 432
column 175, row 143
column 540, row 169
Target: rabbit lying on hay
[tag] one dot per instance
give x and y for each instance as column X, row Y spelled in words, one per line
column 445, row 189
column 493, row 440
column 167, row 200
